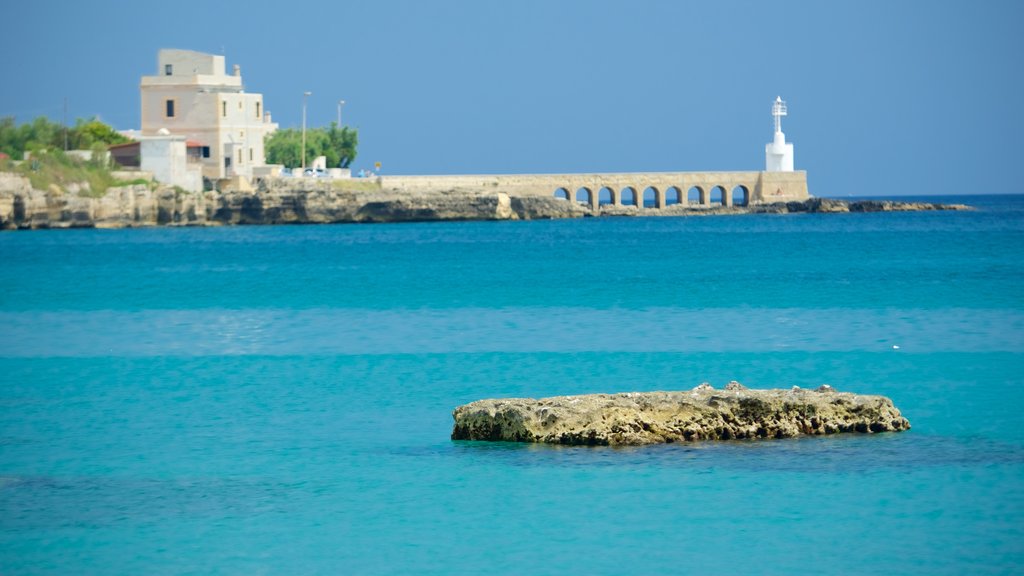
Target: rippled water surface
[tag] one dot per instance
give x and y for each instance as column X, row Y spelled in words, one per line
column 278, row 399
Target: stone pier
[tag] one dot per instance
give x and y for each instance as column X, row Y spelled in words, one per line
column 651, row 189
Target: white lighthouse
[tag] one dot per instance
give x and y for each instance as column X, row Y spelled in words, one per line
column 778, row 155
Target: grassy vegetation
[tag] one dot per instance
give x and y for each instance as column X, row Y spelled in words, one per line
column 135, row 182
column 49, row 168
column 55, row 171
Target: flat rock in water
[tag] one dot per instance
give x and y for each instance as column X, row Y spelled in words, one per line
column 703, row 413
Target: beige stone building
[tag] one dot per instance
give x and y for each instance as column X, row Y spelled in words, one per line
column 191, row 95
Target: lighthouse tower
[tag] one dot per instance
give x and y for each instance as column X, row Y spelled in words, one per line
column 778, row 156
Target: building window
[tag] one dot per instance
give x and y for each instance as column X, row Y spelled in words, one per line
column 239, row 104
column 224, row 109
column 250, row 154
column 227, row 161
column 239, row 155
column 206, row 151
column 168, row 69
column 170, row 108
column 257, row 110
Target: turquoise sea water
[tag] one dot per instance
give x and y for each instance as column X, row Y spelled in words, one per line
column 278, row 399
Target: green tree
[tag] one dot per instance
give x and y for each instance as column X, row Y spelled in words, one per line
column 86, row 133
column 35, row 135
column 337, row 145
column 342, row 143
column 284, row 147
column 9, row 140
column 42, row 134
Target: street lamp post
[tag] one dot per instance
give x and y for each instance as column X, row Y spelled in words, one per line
column 305, row 96
column 340, row 104
column 64, row 123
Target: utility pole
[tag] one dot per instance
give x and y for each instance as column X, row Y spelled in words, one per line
column 305, row 96
column 64, row 122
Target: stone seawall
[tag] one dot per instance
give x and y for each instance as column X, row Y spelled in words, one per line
column 752, row 187
column 665, row 417
column 348, row 201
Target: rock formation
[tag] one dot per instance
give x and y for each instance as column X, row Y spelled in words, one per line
column 703, row 413
column 315, row 201
column 820, row 205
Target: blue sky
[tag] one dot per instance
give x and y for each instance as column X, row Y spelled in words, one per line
column 885, row 98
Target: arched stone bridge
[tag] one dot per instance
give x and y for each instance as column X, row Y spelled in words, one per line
column 641, row 189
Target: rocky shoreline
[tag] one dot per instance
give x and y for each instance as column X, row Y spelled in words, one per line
column 319, row 202
column 702, row 413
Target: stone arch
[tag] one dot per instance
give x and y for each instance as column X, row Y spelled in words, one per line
column 718, row 195
column 673, row 195
column 562, row 194
column 697, row 195
column 740, row 195
column 606, row 195
column 650, row 198
column 628, row 192
column 587, row 196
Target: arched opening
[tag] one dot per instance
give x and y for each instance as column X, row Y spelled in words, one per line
column 628, row 196
column 740, row 196
column 562, row 194
column 650, row 197
column 583, row 196
column 605, row 196
column 717, row 195
column 695, row 196
column 673, row 196
column 585, row 193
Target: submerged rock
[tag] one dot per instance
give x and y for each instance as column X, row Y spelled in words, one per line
column 703, row 413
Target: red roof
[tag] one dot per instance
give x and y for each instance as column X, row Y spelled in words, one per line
column 188, row 144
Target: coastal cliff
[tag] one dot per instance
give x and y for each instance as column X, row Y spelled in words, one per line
column 274, row 202
column 703, row 413
column 347, row 201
